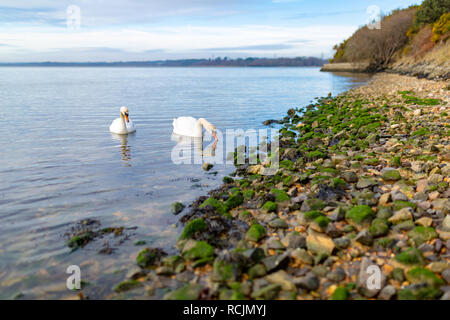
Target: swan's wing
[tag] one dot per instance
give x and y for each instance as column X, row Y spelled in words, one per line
column 184, row 126
column 130, row 126
column 116, row 126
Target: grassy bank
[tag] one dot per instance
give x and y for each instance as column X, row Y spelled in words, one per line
column 363, row 180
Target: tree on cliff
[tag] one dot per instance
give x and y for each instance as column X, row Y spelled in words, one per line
column 430, row 11
column 377, row 46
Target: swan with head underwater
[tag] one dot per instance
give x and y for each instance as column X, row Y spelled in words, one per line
column 191, row 127
column 122, row 125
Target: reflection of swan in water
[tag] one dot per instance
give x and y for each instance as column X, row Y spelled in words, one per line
column 185, row 143
column 124, row 147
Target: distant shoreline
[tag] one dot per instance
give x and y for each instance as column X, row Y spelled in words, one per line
column 218, row 62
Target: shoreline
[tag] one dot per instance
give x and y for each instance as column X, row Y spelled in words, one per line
column 371, row 189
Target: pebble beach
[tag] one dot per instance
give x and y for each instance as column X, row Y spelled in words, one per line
column 363, row 183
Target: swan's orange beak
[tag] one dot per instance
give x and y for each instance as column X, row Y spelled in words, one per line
column 126, row 117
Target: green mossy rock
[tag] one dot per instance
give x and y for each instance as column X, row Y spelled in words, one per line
column 192, row 227
column 223, row 271
column 245, row 215
column 257, row 271
column 248, row 194
column 313, row 204
column 267, row 293
column 255, row 233
column 234, row 200
column 400, row 204
column 422, row 275
column 280, row 195
column 270, row 206
column 227, row 180
column 314, row 214
column 421, row 293
column 391, row 175
column 220, row 207
column 149, row 257
column 422, row 234
column 411, row 256
column 127, row 285
column 359, row 214
column 322, row 221
column 341, row 293
column 80, row 240
column 199, row 250
column 379, row 227
column 187, row 292
column 176, row 207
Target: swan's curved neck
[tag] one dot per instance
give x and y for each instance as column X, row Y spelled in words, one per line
column 123, row 122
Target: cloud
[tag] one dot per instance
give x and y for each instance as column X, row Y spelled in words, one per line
column 263, row 40
column 262, row 47
column 97, row 13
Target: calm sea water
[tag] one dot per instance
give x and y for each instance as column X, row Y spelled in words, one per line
column 59, row 163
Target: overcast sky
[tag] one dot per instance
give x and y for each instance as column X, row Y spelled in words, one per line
column 118, row 30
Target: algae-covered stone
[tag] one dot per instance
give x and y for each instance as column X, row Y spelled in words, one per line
column 194, row 250
column 248, row 194
column 227, row 179
column 312, row 204
column 257, row 271
column 391, row 175
column 267, row 293
column 149, row 257
column 422, row 275
column 187, row 292
column 270, row 206
column 379, row 227
column 220, row 207
column 365, row 182
column 280, row 195
column 207, row 166
column 245, row 215
column 278, row 223
column 400, row 204
column 196, row 225
column 422, row 234
column 398, row 274
column 360, row 214
column 255, row 233
column 404, row 226
column 127, row 285
column 340, row 293
column 176, row 207
column 410, row 256
column 80, row 240
column 223, row 271
column 418, row 292
column 234, row 200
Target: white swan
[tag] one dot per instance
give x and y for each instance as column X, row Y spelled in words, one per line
column 191, row 127
column 119, row 126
